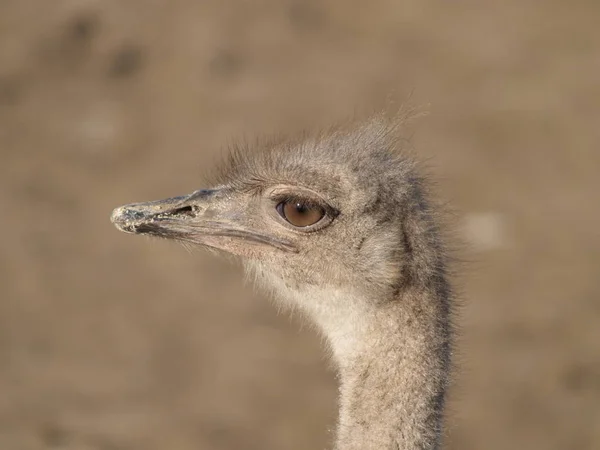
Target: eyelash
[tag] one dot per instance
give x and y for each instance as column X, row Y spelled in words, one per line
column 291, row 198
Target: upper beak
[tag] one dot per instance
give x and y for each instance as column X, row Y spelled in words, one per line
column 204, row 217
column 134, row 217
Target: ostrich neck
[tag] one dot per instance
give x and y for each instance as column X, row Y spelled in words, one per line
column 392, row 358
column 393, row 364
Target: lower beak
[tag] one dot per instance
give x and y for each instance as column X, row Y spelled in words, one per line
column 194, row 219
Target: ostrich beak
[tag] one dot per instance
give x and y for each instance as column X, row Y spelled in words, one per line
column 207, row 217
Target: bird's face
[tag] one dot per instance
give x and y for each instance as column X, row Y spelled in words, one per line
column 309, row 217
column 291, row 232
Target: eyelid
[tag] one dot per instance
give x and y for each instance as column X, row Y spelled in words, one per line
column 305, row 200
column 294, row 198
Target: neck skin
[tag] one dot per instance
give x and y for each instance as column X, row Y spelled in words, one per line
column 393, row 369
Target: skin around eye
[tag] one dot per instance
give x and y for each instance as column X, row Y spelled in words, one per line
column 300, row 214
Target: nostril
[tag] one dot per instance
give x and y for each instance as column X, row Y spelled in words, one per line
column 184, row 211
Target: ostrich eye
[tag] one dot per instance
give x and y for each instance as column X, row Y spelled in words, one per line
column 300, row 214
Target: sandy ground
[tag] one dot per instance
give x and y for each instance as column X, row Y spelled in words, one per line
column 109, row 342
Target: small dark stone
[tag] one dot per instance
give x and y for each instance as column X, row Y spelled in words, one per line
column 73, row 46
column 126, row 62
column 84, row 27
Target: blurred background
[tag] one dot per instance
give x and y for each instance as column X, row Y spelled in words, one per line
column 110, row 342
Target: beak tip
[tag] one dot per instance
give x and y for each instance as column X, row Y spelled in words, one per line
column 117, row 215
column 121, row 219
column 123, row 215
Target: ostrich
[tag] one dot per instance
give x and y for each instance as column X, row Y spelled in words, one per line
column 337, row 224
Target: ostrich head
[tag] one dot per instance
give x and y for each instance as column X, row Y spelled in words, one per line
column 336, row 210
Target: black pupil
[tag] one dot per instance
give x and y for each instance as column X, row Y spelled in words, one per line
column 301, row 208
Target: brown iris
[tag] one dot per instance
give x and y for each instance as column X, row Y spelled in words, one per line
column 300, row 214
